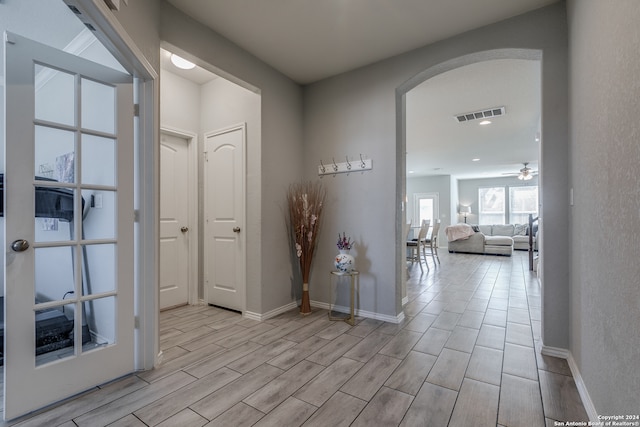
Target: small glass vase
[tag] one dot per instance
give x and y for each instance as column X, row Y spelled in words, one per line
column 344, row 262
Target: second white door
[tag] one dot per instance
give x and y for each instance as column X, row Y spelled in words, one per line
column 174, row 221
column 225, row 239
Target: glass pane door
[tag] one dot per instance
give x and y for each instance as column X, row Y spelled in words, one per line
column 69, row 225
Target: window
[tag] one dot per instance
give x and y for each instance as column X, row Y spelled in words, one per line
column 522, row 202
column 491, row 205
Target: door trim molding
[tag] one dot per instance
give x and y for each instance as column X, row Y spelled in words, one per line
column 193, row 202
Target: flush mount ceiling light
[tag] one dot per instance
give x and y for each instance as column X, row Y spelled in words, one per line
column 483, row 114
column 182, row 63
column 475, row 160
column 485, row 122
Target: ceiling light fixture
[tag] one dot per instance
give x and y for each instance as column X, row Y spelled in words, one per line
column 475, row 160
column 525, row 176
column 181, row 63
column 485, row 122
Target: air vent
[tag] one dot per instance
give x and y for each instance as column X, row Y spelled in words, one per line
column 491, row 112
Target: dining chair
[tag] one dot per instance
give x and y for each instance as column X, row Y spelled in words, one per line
column 417, row 245
column 432, row 241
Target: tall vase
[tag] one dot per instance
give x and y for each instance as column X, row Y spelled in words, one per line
column 305, row 305
column 344, row 262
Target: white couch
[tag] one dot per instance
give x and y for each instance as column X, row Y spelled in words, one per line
column 518, row 232
column 496, row 239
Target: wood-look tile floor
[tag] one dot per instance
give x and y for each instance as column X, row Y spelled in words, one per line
column 467, row 354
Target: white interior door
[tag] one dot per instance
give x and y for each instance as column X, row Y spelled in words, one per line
column 225, row 217
column 174, row 221
column 69, row 321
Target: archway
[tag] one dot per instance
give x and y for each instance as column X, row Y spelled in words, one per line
column 401, row 141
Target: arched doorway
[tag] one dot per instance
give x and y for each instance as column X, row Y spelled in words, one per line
column 401, row 142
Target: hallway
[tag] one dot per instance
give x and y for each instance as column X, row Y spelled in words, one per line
column 468, row 353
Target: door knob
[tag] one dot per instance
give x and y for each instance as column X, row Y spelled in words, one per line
column 184, row 229
column 20, row 245
column 236, row 229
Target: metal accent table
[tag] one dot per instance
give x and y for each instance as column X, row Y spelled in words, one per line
column 354, row 277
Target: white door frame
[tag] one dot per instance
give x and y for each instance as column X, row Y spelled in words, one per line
column 147, row 198
column 192, row 200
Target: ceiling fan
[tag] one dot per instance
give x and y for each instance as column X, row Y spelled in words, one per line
column 525, row 174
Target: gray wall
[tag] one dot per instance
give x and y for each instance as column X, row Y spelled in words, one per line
column 605, row 218
column 356, row 113
column 468, row 193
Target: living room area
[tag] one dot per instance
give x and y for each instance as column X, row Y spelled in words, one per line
column 473, row 144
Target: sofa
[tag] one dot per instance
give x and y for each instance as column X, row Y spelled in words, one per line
column 496, row 239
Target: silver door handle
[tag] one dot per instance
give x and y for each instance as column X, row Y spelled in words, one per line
column 20, row 245
column 236, row 229
column 184, row 229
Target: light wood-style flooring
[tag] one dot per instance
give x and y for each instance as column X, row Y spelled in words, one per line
column 467, row 354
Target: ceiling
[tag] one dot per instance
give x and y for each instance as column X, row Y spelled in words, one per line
column 437, row 144
column 309, row 40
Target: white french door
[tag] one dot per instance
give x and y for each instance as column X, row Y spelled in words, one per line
column 225, row 242
column 69, row 321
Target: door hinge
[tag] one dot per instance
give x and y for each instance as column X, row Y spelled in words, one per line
column 8, row 39
column 136, row 110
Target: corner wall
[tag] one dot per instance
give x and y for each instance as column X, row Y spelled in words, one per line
column 356, row 113
column 605, row 154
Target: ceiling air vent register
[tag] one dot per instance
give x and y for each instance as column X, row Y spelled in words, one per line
column 483, row 114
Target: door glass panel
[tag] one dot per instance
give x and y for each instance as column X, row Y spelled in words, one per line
column 98, row 160
column 54, row 154
column 54, row 276
column 100, row 214
column 54, row 214
column 53, row 84
column 98, row 267
column 54, row 333
column 100, row 318
column 98, row 106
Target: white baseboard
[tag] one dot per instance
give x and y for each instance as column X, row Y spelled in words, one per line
column 269, row 314
column 577, row 377
column 362, row 313
column 318, row 304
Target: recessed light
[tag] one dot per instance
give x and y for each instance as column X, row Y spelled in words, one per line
column 182, row 63
column 485, row 122
column 475, row 160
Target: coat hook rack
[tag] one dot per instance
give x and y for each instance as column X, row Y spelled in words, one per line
column 345, row 167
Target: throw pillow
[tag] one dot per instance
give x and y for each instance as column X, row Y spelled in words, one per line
column 520, row 230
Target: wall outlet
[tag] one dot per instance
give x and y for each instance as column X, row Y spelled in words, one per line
column 97, row 201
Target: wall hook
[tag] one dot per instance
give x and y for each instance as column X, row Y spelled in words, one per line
column 348, row 163
column 322, row 168
column 335, row 167
column 362, row 163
